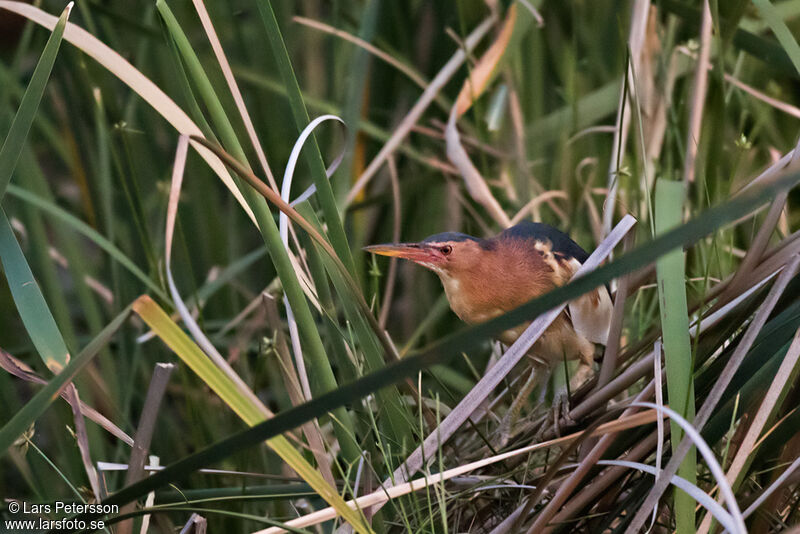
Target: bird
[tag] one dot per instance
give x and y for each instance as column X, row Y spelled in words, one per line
column 484, row 278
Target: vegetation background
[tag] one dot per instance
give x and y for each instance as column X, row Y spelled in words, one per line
column 683, row 114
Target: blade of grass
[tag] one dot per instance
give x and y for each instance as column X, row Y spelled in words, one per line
column 18, row 133
column 33, row 309
column 781, row 31
column 670, row 272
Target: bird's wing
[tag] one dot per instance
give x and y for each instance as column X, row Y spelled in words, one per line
column 591, row 312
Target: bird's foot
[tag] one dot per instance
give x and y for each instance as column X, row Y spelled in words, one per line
column 503, row 433
column 560, row 411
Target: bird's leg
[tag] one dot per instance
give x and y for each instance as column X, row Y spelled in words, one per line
column 584, row 371
column 537, row 373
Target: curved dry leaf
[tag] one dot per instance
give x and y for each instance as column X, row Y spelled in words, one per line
column 484, row 70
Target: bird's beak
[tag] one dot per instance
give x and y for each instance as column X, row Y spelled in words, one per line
column 415, row 252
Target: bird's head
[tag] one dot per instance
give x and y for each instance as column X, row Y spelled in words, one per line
column 449, row 254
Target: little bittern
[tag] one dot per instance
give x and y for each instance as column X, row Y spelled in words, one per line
column 485, row 278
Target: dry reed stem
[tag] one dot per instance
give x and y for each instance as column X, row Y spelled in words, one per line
column 82, row 438
column 773, row 263
column 533, row 205
column 144, row 434
column 475, row 84
column 475, row 183
column 752, row 91
column 388, row 291
column 759, row 244
column 21, row 370
column 699, row 91
column 609, row 364
column 566, row 488
column 636, row 43
column 311, row 430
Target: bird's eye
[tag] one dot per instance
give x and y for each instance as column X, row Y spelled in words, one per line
column 446, row 250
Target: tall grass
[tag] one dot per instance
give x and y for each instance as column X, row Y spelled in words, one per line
column 378, row 408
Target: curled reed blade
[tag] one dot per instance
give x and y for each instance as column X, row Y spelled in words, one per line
column 325, row 195
column 693, row 434
column 722, row 515
column 475, row 84
column 180, row 305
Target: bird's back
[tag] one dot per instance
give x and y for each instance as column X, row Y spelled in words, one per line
column 560, row 242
